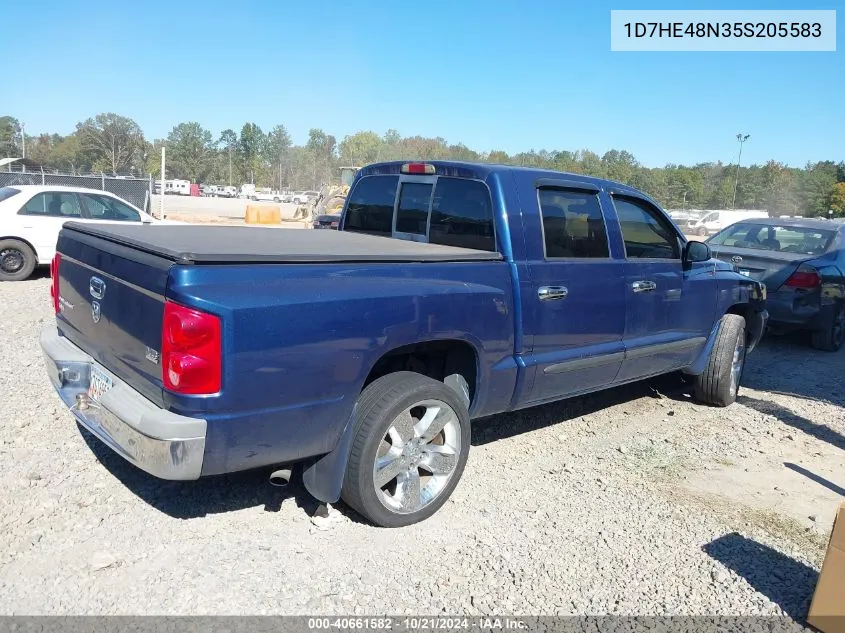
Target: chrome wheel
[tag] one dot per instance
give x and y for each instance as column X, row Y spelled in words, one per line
column 11, row 260
column 417, row 456
column 737, row 364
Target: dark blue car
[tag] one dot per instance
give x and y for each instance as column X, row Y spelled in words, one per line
column 802, row 263
column 451, row 292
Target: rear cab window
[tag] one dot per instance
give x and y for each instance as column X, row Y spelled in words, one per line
column 8, row 192
column 447, row 210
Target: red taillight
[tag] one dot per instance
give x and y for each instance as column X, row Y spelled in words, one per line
column 191, row 350
column 804, row 277
column 54, row 283
column 417, row 168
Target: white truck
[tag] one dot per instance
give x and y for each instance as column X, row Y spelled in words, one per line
column 714, row 221
column 267, row 195
column 177, row 187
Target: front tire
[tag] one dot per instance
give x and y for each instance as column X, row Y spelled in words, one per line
column 410, row 448
column 17, row 260
column 702, row 232
column 832, row 337
column 718, row 384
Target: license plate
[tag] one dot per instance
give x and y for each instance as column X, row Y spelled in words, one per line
column 100, row 384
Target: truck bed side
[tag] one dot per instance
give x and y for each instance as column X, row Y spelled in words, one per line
column 296, row 361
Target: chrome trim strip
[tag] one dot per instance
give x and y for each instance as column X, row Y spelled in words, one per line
column 585, row 363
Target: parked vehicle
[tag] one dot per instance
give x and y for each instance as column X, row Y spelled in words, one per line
column 304, row 197
column 267, row 195
column 453, row 291
column 246, row 191
column 715, row 221
column 802, row 263
column 32, row 215
column 227, row 192
column 177, row 187
column 210, row 191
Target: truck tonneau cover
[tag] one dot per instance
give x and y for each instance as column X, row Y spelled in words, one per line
column 188, row 244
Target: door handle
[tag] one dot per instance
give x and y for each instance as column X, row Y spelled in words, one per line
column 552, row 293
column 643, row 286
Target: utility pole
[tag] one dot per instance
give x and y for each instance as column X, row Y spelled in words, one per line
column 230, row 164
column 23, row 138
column 161, row 191
column 741, row 138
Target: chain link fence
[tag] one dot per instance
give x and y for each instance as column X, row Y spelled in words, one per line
column 136, row 191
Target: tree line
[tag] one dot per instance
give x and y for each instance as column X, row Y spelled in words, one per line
column 113, row 144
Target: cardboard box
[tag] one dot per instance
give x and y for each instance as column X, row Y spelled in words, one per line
column 827, row 610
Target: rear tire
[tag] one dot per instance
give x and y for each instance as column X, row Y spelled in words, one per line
column 718, row 384
column 17, row 260
column 832, row 337
column 410, row 448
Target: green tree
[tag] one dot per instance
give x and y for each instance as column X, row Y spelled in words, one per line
column 619, row 166
column 498, row 157
column 251, row 148
column 837, row 199
column 114, row 141
column 10, row 137
column 69, row 155
column 361, row 148
column 189, row 151
column 229, row 142
column 277, row 151
column 816, row 187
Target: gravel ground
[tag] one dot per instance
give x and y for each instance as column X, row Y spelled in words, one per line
column 633, row 501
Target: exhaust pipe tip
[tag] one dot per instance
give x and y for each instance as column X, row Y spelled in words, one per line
column 280, row 478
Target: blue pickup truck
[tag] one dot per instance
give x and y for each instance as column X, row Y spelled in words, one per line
column 452, row 291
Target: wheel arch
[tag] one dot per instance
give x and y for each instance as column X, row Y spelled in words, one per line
column 323, row 475
column 25, row 241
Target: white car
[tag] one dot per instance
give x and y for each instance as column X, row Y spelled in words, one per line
column 305, row 197
column 31, row 217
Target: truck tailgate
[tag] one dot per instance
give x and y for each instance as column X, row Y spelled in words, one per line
column 111, row 303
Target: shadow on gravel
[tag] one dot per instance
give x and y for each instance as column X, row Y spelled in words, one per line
column 819, row 431
column 505, row 425
column 789, row 365
column 782, row 579
column 817, row 478
column 209, row 495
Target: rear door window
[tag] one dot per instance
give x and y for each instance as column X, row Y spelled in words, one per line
column 573, row 225
column 52, row 204
column 370, row 206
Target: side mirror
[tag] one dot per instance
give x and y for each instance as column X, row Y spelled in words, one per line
column 696, row 251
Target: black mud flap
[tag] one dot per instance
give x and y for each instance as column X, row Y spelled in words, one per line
column 323, row 476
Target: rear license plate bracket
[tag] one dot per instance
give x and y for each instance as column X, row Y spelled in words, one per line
column 100, row 384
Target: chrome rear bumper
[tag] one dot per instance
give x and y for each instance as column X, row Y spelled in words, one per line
column 164, row 444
